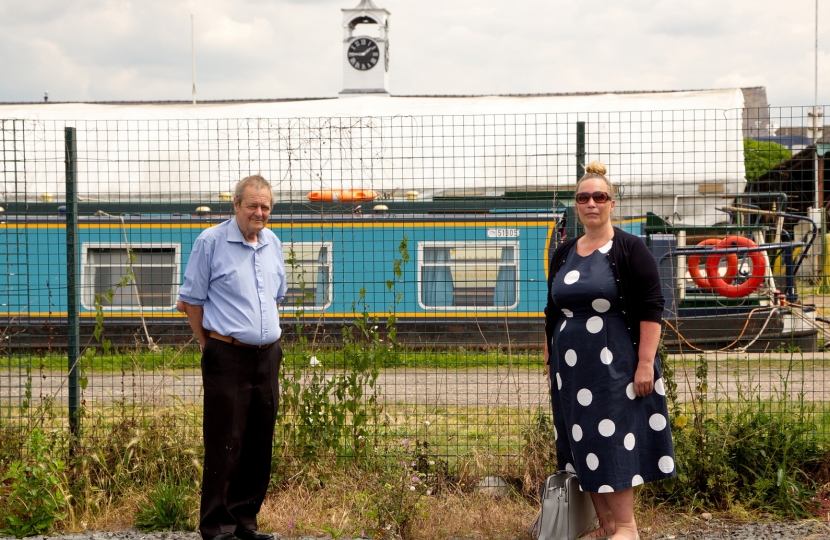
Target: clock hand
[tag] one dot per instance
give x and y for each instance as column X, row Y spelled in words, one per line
column 364, row 53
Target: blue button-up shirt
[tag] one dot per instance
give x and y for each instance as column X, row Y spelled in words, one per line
column 237, row 285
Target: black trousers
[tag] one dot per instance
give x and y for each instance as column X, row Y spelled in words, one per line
column 241, row 388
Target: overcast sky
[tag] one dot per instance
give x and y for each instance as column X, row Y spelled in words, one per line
column 90, row 50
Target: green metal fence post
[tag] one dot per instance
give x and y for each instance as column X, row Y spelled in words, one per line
column 73, row 328
column 580, row 150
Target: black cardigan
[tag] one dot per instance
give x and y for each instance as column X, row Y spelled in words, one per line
column 638, row 283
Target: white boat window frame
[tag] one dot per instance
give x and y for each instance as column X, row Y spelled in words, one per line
column 466, row 244
column 289, row 305
column 88, row 287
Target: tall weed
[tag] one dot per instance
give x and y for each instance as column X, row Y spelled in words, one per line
column 33, row 489
column 403, row 473
column 328, row 413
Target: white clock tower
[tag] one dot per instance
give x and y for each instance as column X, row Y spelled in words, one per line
column 365, row 50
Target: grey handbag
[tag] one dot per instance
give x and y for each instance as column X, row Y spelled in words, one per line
column 567, row 512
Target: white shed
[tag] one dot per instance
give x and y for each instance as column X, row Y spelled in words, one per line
column 675, row 153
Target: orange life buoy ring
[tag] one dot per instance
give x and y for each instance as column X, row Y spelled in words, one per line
column 756, row 278
column 701, row 280
column 345, row 195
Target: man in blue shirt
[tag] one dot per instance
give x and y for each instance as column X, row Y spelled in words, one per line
column 233, row 284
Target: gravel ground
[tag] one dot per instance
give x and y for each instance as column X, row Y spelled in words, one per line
column 715, row 529
column 797, row 530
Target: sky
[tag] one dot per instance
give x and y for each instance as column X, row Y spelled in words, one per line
column 116, row 50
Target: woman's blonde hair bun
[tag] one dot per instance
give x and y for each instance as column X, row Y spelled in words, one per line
column 595, row 167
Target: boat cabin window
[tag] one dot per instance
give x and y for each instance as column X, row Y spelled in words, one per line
column 480, row 275
column 108, row 267
column 308, row 270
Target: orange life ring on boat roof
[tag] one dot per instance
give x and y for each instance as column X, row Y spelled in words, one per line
column 756, row 278
column 345, row 195
column 701, row 280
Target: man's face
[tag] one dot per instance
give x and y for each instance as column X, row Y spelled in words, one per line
column 252, row 211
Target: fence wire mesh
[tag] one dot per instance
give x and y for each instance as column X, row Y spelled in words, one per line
column 418, row 249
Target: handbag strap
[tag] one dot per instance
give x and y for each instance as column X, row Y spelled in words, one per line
column 560, row 527
column 557, row 525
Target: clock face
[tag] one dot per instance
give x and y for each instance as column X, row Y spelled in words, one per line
column 363, row 54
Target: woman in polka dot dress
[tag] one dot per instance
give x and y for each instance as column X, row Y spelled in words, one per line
column 603, row 318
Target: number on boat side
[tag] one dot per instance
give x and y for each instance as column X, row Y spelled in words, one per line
column 502, row 233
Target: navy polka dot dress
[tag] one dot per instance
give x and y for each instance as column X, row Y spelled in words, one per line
column 608, row 436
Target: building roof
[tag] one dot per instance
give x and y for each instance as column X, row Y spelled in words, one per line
column 382, row 105
column 747, row 92
column 366, row 4
column 790, row 141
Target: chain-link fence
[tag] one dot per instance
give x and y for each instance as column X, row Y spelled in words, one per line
column 418, row 249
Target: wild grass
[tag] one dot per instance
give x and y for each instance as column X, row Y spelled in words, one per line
column 145, row 461
column 458, row 358
column 349, row 463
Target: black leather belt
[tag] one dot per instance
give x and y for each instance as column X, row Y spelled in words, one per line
column 234, row 341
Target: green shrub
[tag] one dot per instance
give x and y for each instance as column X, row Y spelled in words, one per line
column 754, row 453
column 761, row 156
column 33, row 492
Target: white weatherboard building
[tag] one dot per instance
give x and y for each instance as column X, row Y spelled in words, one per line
column 675, row 153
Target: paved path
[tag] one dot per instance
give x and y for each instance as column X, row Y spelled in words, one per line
column 476, row 387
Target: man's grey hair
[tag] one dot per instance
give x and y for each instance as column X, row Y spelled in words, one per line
column 255, row 181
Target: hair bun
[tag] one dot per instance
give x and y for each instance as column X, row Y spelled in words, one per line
column 595, row 167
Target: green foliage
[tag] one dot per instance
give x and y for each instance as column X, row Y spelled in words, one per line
column 143, row 359
column 761, row 156
column 770, row 459
column 170, row 506
column 11, row 445
column 33, row 490
column 134, row 450
column 117, row 360
column 753, row 454
column 327, row 412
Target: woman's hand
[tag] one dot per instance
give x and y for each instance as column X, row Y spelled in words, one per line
column 649, row 340
column 644, row 378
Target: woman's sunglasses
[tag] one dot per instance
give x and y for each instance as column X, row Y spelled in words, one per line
column 599, row 197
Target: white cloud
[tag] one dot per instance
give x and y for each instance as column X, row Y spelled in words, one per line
column 131, row 49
